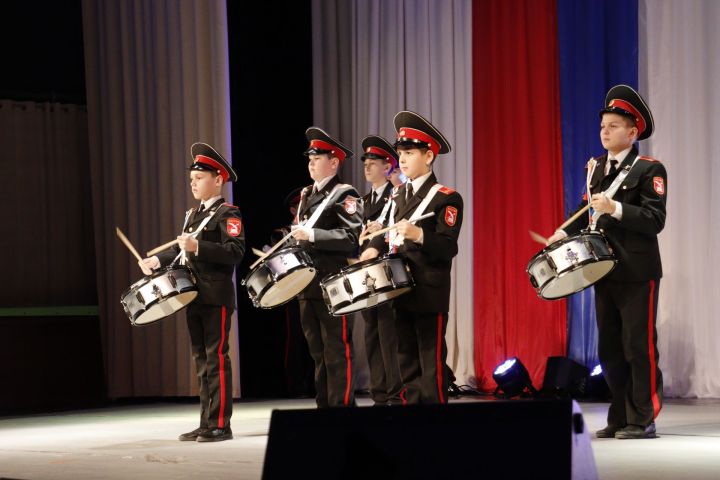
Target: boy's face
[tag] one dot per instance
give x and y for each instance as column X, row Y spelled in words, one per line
column 415, row 162
column 205, row 185
column 376, row 170
column 616, row 132
column 322, row 166
column 395, row 177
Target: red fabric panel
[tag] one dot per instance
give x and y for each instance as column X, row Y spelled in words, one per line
column 517, row 181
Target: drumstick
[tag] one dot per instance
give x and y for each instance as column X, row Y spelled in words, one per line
column 574, row 217
column 269, row 252
column 538, row 238
column 127, row 243
column 257, row 252
column 370, row 236
column 544, row 241
column 161, row 247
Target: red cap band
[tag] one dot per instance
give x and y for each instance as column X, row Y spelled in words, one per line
column 319, row 144
column 382, row 153
column 628, row 107
column 406, row 132
column 216, row 165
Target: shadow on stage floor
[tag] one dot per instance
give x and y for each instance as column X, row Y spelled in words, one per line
column 140, row 441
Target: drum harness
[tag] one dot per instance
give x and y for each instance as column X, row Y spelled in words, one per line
column 182, row 255
column 610, row 192
column 396, row 240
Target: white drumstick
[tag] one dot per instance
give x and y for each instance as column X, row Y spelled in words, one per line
column 370, row 236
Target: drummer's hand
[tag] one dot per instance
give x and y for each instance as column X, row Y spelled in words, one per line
column 409, row 231
column 300, row 233
column 187, row 243
column 147, row 265
column 372, row 227
column 600, row 203
column 558, row 235
column 369, row 253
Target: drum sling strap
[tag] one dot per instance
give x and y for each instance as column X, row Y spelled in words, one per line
column 610, row 192
column 396, row 240
column 182, row 255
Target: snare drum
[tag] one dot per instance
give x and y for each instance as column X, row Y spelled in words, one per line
column 159, row 295
column 366, row 284
column 571, row 265
column 280, row 277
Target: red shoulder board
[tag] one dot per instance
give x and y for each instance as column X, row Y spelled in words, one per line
column 229, row 205
column 648, row 159
column 446, row 190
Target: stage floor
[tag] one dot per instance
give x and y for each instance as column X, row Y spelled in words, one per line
column 140, row 442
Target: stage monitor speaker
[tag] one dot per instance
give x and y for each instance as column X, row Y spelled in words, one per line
column 505, row 439
column 564, row 377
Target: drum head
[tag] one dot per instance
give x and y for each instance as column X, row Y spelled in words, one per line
column 576, row 280
column 371, row 301
column 162, row 309
column 287, row 287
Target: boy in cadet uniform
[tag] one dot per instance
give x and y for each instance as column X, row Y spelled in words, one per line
column 212, row 243
column 429, row 245
column 328, row 227
column 381, row 343
column 626, row 299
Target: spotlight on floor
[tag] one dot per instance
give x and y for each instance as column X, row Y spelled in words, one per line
column 512, row 379
column 564, row 378
column 597, row 387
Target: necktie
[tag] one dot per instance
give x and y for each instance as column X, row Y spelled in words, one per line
column 374, row 198
column 613, row 167
column 201, row 208
column 314, row 190
column 409, row 190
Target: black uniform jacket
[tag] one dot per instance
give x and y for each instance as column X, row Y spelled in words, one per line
column 431, row 262
column 336, row 231
column 221, row 246
column 372, row 211
column 643, row 195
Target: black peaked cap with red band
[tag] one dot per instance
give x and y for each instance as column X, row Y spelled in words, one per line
column 322, row 143
column 625, row 101
column 206, row 158
column 376, row 147
column 413, row 130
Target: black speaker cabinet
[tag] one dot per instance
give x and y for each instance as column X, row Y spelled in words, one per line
column 564, row 377
column 511, row 439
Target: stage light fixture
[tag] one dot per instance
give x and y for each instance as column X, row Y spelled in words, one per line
column 512, row 379
column 597, row 387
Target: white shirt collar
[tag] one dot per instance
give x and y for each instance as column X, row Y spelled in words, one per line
column 620, row 157
column 210, row 201
column 420, row 181
column 379, row 190
column 321, row 184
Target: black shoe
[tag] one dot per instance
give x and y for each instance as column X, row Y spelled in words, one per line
column 636, row 431
column 191, row 436
column 608, row 432
column 216, row 435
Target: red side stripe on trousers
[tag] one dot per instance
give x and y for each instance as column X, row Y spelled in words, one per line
column 348, row 360
column 221, row 420
column 651, row 351
column 439, row 365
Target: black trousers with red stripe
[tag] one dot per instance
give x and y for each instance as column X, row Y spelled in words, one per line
column 381, row 346
column 330, row 343
column 422, row 353
column 209, row 327
column 627, row 346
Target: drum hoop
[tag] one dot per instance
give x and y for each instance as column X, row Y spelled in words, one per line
column 566, row 272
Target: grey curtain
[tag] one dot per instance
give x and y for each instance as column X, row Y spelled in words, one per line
column 157, row 81
column 372, row 58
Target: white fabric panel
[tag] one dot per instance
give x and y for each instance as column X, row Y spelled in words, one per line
column 157, row 81
column 413, row 55
column 679, row 68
